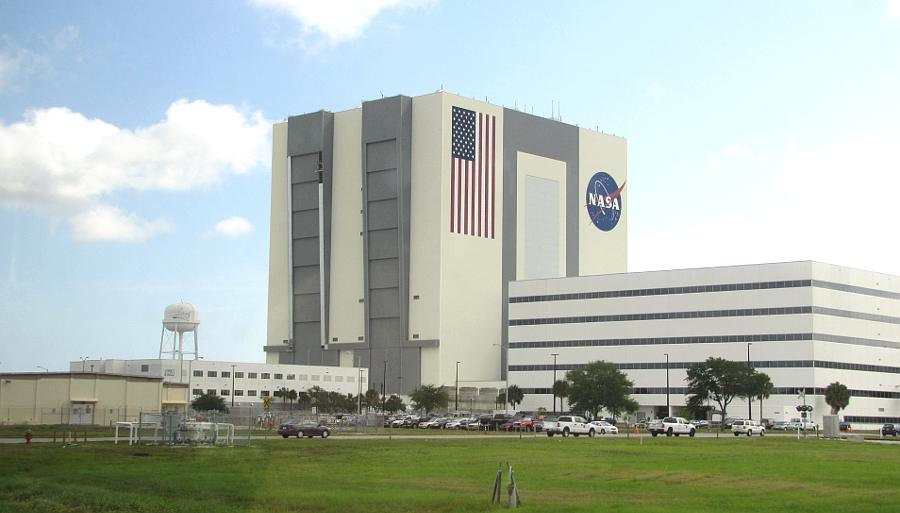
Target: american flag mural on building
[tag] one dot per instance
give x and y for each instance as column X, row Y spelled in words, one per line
column 473, row 162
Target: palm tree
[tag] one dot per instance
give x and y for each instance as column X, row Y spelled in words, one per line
column 837, row 396
column 372, row 398
column 561, row 389
column 515, row 395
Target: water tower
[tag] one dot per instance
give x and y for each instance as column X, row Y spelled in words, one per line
column 178, row 319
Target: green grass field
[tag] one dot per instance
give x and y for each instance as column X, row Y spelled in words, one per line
column 572, row 475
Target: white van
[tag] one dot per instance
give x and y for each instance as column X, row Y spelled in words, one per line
column 747, row 427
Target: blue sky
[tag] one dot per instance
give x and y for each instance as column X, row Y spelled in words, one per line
column 135, row 145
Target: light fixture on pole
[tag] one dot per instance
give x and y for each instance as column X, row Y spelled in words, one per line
column 668, row 403
column 42, row 367
column 456, row 395
column 749, row 402
column 83, row 359
column 232, row 385
column 553, row 387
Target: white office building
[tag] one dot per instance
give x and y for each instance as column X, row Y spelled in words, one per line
column 246, row 383
column 805, row 324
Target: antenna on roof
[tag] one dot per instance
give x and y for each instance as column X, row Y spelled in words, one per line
column 382, row 93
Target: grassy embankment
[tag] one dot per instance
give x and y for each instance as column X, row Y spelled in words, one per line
column 573, row 475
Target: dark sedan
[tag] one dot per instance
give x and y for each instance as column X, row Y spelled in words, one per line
column 301, row 428
column 889, row 429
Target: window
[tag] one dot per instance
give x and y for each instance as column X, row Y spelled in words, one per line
column 351, row 379
column 291, row 377
column 339, row 378
column 145, row 368
column 239, row 375
column 327, row 377
column 265, row 375
column 197, row 391
column 211, row 374
column 315, row 377
column 303, row 377
column 239, row 392
column 198, row 374
column 225, row 392
column 251, row 393
column 170, row 372
column 210, row 391
column 251, row 375
column 264, row 393
column 226, row 374
column 279, row 376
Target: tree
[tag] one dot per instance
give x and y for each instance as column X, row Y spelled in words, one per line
column 561, row 389
column 759, row 387
column 394, row 404
column 837, row 396
column 600, row 386
column 303, row 400
column 283, row 394
column 718, row 380
column 501, row 399
column 209, row 402
column 372, row 398
column 429, row 397
column 515, row 395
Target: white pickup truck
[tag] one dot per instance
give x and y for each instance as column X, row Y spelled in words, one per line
column 671, row 426
column 567, row 425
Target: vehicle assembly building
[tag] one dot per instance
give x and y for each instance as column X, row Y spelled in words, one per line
column 397, row 226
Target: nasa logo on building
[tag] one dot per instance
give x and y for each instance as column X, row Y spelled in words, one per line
column 604, row 201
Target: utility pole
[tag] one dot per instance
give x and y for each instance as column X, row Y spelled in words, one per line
column 456, row 395
column 668, row 403
column 553, row 388
column 232, row 386
column 750, row 402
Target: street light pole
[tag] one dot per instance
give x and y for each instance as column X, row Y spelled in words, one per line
column 232, row 386
column 456, row 395
column 553, row 387
column 42, row 367
column 749, row 402
column 668, row 403
column 83, row 358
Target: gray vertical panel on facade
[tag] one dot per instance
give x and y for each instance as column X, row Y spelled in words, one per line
column 386, row 152
column 310, row 139
column 546, row 138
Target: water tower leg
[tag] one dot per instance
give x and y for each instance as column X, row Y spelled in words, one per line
column 162, row 335
column 180, row 344
column 196, row 346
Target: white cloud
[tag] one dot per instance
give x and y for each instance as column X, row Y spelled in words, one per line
column 336, row 20
column 834, row 203
column 732, row 151
column 103, row 222
column 59, row 161
column 17, row 63
column 893, row 9
column 233, row 227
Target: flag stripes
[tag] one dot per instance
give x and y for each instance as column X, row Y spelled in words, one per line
column 473, row 173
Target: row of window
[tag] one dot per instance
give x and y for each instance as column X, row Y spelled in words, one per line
column 697, row 289
column 762, row 364
column 267, row 375
column 237, row 393
column 711, row 339
column 871, row 420
column 776, row 391
column 789, row 310
column 745, row 312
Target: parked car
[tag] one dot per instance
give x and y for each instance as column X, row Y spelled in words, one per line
column 457, row 424
column 889, row 429
column 700, row 423
column 728, row 422
column 672, row 426
column 767, row 423
column 539, row 425
column 301, row 428
column 747, row 427
column 604, row 427
column 780, row 425
column 844, row 426
column 567, row 425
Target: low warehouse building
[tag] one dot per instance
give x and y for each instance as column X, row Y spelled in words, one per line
column 805, row 324
column 84, row 397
